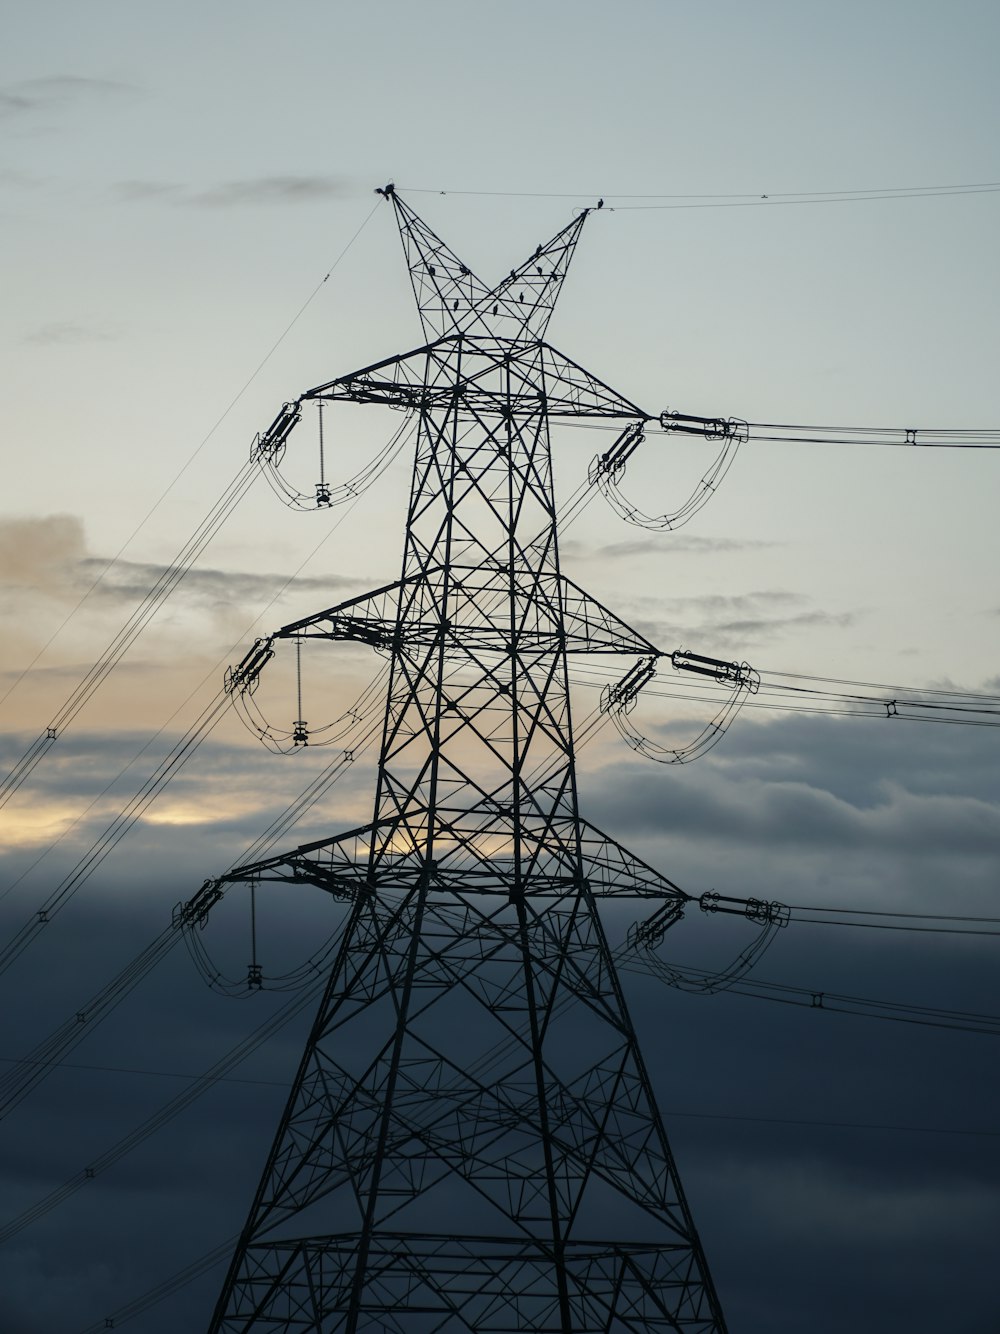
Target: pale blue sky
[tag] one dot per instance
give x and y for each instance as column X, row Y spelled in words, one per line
column 175, row 182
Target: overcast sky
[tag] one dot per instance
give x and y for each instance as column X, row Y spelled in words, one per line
column 175, row 184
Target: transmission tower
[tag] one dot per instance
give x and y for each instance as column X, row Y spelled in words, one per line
column 471, row 1141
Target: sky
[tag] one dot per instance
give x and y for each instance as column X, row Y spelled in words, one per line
column 187, row 201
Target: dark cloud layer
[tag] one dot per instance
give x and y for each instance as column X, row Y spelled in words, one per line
column 825, row 1156
column 791, row 812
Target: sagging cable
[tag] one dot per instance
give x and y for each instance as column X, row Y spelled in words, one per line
column 618, row 701
column 240, row 988
column 242, row 682
column 167, row 769
column 646, row 936
column 269, row 449
column 168, row 580
column 607, row 470
column 906, row 437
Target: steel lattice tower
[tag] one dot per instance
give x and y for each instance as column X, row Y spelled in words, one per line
column 471, row 1141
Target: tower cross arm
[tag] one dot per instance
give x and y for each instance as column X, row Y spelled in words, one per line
column 397, row 381
column 393, row 615
column 572, row 391
column 614, row 872
column 492, row 376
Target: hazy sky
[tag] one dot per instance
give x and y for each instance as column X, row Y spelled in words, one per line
column 174, row 185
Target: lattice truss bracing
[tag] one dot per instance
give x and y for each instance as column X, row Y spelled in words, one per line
column 471, row 1141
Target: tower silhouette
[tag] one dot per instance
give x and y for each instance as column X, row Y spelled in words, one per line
column 471, row 1141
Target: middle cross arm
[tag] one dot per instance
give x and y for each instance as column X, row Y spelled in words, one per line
column 497, row 376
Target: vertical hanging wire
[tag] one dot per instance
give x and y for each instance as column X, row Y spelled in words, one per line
column 322, row 489
column 298, row 672
column 322, row 459
column 255, row 978
column 300, row 736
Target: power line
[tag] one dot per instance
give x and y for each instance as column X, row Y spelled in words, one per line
column 892, row 926
column 835, row 1125
column 770, row 201
column 165, row 1289
column 470, row 818
column 922, row 916
column 162, row 588
column 109, row 839
column 912, row 437
column 700, row 982
column 216, row 1074
column 168, row 580
column 627, row 958
column 733, row 199
column 168, row 768
column 895, row 703
column 700, row 1115
column 47, row 1055
column 198, row 1085
column 191, row 458
column 153, row 1296
column 886, row 437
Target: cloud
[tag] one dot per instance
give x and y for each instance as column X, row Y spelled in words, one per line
column 661, row 545
column 278, row 189
column 880, row 1232
column 128, row 581
column 772, row 627
column 851, row 1211
column 670, row 543
column 821, row 810
column 719, row 605
column 222, row 780
column 48, row 555
column 63, row 333
column 41, row 824
column 730, row 623
column 39, row 553
column 59, row 92
column 795, row 814
column 270, row 190
column 53, row 589
column 18, row 179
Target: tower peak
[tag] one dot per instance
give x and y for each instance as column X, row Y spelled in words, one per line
column 451, row 298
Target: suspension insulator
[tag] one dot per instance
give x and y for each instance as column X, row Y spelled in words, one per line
column 712, row 428
column 272, row 442
column 740, row 674
column 622, row 695
column 770, row 913
column 612, row 462
column 247, row 673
